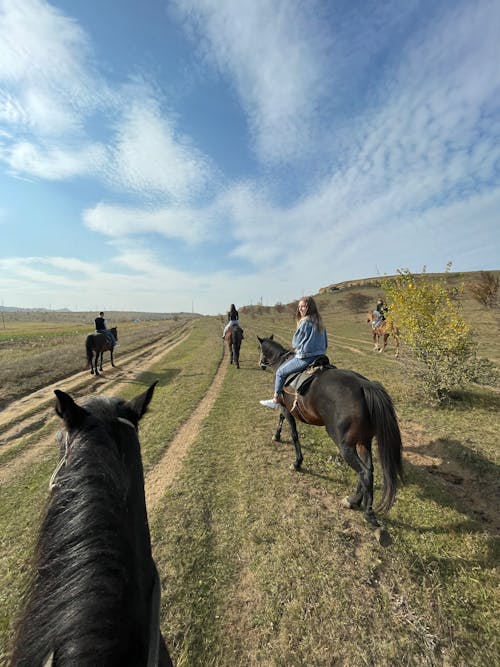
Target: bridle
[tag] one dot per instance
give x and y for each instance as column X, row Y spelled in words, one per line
column 154, row 624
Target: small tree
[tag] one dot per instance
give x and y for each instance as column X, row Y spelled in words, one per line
column 485, row 289
column 438, row 339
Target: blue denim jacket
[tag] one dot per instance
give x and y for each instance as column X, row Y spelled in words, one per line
column 308, row 341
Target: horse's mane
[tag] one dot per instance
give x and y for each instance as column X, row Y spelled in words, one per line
column 78, row 601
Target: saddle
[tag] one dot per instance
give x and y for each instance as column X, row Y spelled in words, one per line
column 299, row 382
column 297, row 386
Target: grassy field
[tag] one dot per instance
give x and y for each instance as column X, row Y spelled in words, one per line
column 263, row 566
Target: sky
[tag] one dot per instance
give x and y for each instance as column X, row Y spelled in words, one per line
column 183, row 155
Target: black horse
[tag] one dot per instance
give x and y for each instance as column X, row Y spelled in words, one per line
column 354, row 410
column 95, row 594
column 234, row 336
column 97, row 344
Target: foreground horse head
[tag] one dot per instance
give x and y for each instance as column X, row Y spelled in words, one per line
column 354, row 410
column 94, row 598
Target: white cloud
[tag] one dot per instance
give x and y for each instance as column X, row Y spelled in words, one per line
column 189, row 225
column 150, row 158
column 275, row 54
column 53, row 162
column 45, row 59
column 52, row 94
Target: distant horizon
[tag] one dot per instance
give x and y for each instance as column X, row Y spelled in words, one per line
column 353, row 281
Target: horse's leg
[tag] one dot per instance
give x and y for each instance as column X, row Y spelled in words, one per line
column 111, row 353
column 375, row 341
column 384, row 341
column 295, row 437
column 231, row 356
column 365, row 473
column 100, row 361
column 364, row 452
column 396, row 339
column 96, row 363
column 277, row 434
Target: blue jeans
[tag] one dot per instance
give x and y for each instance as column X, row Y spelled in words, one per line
column 288, row 367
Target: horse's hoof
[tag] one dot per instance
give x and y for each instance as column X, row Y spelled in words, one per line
column 276, row 438
column 297, row 467
column 383, row 537
column 349, row 504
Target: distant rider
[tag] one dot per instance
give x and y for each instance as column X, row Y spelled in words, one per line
column 101, row 326
column 233, row 321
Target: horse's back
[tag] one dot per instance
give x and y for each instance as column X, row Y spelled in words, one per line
column 338, row 394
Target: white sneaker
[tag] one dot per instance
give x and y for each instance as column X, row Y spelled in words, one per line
column 270, row 404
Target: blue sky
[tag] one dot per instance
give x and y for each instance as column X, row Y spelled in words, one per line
column 164, row 156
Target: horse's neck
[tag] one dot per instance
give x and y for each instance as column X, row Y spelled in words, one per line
column 283, row 356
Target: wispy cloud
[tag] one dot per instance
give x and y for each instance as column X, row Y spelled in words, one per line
column 51, row 88
column 151, row 158
column 275, row 54
column 189, row 225
column 45, row 59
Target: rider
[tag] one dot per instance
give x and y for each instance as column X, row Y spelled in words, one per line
column 379, row 313
column 101, row 326
column 309, row 342
column 233, row 321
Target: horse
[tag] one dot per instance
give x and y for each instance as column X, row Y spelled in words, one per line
column 354, row 410
column 94, row 598
column 99, row 343
column 381, row 332
column 233, row 337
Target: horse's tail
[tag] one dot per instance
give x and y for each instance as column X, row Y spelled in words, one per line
column 390, row 447
column 89, row 343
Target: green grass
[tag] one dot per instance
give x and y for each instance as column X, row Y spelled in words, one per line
column 261, row 565
column 184, row 373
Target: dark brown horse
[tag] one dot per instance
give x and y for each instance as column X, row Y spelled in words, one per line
column 381, row 333
column 94, row 598
column 233, row 337
column 96, row 344
column 354, row 410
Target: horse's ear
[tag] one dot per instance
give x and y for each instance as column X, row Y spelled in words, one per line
column 72, row 414
column 271, row 337
column 260, row 339
column 139, row 404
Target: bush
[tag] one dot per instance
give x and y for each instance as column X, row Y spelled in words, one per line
column 485, row 289
column 439, row 342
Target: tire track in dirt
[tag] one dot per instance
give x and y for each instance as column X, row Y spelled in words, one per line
column 38, row 451
column 162, row 476
column 26, row 405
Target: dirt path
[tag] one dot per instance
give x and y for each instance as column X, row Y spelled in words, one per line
column 37, row 409
column 164, row 473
